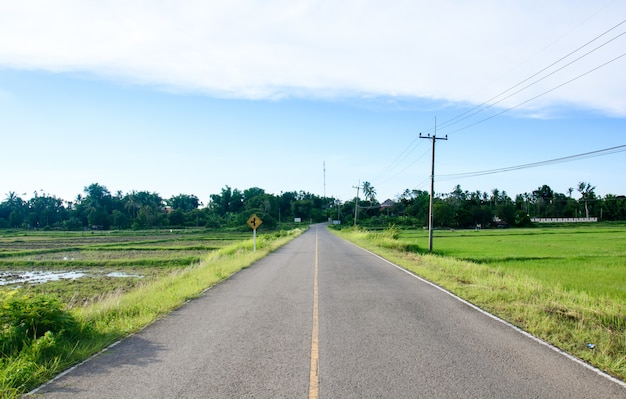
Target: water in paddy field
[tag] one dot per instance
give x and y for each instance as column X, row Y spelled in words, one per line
column 40, row 276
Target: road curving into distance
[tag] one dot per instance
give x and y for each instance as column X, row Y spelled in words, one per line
column 323, row 318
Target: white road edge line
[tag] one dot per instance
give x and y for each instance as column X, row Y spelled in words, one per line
column 506, row 323
column 58, row 376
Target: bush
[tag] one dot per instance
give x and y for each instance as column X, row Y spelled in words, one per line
column 392, row 231
column 25, row 318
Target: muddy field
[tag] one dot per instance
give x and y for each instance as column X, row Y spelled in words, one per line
column 82, row 266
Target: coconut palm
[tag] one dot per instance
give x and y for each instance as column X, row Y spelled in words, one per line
column 369, row 191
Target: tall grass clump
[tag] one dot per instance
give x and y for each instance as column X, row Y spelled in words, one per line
column 41, row 336
column 590, row 327
column 36, row 334
column 387, row 238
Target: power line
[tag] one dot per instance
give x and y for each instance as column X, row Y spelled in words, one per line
column 405, row 168
column 408, row 150
column 539, row 95
column 403, row 155
column 485, row 105
column 591, row 154
column 519, row 105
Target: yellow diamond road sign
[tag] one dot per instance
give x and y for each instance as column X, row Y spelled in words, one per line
column 254, row 222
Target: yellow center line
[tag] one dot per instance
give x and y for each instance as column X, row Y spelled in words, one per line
column 314, row 373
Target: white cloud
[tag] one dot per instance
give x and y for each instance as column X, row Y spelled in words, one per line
column 452, row 50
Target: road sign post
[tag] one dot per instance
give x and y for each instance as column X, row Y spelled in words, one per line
column 254, row 222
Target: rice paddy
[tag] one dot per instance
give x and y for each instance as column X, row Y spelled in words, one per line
column 82, row 266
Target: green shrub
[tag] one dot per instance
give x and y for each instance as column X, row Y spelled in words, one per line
column 392, row 231
column 26, row 317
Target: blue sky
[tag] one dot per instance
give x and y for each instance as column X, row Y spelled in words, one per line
column 187, row 97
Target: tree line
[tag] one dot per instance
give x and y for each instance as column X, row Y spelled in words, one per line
column 98, row 208
column 463, row 209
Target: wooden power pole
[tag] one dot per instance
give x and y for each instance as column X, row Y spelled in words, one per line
column 356, row 202
column 432, row 186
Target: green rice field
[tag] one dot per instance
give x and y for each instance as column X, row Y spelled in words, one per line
column 588, row 258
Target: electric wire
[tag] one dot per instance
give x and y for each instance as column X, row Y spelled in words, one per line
column 405, row 168
column 489, row 104
column 485, row 105
column 514, row 107
column 591, row 154
column 403, row 155
column 538, row 95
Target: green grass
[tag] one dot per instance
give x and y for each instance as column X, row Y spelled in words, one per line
column 589, row 259
column 564, row 285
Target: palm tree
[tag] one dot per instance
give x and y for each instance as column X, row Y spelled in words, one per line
column 13, row 202
column 11, row 197
column 495, row 196
column 485, row 197
column 369, row 191
column 587, row 193
column 527, row 198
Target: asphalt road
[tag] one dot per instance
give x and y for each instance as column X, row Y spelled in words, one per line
column 321, row 317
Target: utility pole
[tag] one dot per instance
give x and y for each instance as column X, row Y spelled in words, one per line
column 324, row 203
column 432, row 185
column 356, row 202
column 324, row 180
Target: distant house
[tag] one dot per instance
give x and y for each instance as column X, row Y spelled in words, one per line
column 387, row 204
column 499, row 223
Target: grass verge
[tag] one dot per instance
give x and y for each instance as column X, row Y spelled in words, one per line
column 592, row 328
column 32, row 353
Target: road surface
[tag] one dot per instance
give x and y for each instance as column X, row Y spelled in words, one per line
column 323, row 318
